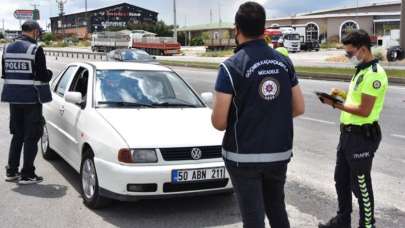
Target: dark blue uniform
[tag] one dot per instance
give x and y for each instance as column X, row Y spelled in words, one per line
column 26, row 88
column 259, row 138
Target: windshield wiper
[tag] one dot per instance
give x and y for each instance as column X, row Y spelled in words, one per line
column 170, row 104
column 125, row 104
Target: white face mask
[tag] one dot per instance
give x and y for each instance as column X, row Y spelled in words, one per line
column 355, row 61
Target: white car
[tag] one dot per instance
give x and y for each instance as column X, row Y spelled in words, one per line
column 133, row 131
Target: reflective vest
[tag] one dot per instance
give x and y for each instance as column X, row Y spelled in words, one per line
column 19, row 84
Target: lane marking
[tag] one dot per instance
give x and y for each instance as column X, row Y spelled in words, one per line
column 398, row 136
column 317, row 120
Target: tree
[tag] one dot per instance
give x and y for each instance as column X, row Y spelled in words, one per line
column 1, row 35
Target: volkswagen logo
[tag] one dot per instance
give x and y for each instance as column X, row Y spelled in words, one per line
column 196, row 153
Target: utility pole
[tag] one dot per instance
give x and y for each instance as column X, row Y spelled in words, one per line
column 86, row 18
column 210, row 16
column 402, row 29
column 61, row 6
column 175, row 20
column 219, row 12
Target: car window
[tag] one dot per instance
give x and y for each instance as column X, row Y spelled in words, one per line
column 136, row 55
column 80, row 82
column 145, row 87
column 65, row 80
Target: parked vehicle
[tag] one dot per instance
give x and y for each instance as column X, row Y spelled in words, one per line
column 395, row 53
column 310, row 45
column 133, row 131
column 131, row 55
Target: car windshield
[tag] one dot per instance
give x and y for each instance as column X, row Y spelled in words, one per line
column 292, row 37
column 127, row 88
column 135, row 55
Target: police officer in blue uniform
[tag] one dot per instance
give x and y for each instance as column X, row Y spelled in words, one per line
column 257, row 97
column 26, row 88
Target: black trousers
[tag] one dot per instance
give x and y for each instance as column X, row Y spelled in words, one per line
column 355, row 155
column 260, row 191
column 26, row 126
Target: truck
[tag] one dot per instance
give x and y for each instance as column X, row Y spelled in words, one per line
column 139, row 39
column 307, row 44
column 108, row 41
column 286, row 36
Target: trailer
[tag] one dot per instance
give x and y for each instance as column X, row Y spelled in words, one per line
column 108, row 41
column 139, row 39
column 157, row 45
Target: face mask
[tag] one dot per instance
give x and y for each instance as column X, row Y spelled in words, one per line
column 355, row 60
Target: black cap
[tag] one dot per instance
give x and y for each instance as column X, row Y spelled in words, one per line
column 30, row 25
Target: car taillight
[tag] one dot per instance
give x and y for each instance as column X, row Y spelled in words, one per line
column 125, row 156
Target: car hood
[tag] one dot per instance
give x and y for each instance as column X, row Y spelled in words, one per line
column 164, row 127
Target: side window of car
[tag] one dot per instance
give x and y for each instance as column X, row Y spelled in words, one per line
column 64, row 81
column 80, row 82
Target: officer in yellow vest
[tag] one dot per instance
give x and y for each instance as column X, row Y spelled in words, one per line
column 360, row 132
column 281, row 49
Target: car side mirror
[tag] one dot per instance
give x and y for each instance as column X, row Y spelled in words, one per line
column 208, row 97
column 154, row 57
column 74, row 97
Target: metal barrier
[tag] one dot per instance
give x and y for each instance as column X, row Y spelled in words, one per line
column 77, row 55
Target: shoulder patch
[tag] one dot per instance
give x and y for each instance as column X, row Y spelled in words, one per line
column 376, row 84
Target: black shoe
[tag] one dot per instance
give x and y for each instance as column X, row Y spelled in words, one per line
column 12, row 177
column 336, row 222
column 30, row 180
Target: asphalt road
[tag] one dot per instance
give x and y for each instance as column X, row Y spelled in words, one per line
column 310, row 189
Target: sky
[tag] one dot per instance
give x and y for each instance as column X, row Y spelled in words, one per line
column 189, row 12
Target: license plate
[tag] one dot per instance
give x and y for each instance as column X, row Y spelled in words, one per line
column 192, row 175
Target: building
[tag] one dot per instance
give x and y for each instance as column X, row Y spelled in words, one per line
column 220, row 34
column 378, row 19
column 118, row 16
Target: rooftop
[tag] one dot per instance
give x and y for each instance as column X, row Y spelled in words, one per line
column 128, row 66
column 337, row 15
column 351, row 7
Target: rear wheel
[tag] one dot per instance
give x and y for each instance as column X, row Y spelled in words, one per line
column 47, row 153
column 392, row 55
column 89, row 184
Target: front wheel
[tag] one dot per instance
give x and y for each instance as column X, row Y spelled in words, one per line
column 89, row 185
column 47, row 153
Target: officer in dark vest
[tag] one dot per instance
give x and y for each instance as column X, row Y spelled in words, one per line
column 26, row 88
column 257, row 97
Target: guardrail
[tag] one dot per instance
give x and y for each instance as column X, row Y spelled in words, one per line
column 77, row 55
column 73, row 54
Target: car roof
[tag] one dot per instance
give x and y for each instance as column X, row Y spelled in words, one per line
column 128, row 66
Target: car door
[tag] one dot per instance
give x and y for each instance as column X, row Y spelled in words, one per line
column 54, row 111
column 73, row 114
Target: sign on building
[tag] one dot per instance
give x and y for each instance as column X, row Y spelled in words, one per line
column 24, row 14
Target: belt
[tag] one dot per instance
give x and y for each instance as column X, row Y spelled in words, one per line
column 358, row 129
